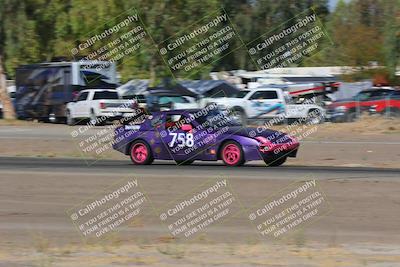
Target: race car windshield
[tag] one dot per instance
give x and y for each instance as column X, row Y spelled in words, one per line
column 218, row 118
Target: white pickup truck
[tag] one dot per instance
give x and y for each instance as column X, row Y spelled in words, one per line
column 267, row 103
column 99, row 105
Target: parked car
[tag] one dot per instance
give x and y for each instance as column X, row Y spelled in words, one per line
column 371, row 101
column 159, row 100
column 44, row 89
column 99, row 105
column 179, row 135
column 266, row 103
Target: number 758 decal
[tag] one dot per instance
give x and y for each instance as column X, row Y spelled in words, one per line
column 181, row 139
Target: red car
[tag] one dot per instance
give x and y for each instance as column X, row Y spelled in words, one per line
column 371, row 101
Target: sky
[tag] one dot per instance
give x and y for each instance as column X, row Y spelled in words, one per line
column 332, row 3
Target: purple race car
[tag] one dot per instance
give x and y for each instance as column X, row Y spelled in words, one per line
column 188, row 135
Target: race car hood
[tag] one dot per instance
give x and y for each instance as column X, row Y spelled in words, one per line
column 252, row 132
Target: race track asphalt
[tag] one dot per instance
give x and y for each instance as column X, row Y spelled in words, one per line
column 36, row 193
column 252, row 170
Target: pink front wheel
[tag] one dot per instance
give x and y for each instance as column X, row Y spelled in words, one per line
column 140, row 153
column 232, row 154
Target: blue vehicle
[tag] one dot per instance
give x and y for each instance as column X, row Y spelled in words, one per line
column 44, row 89
column 188, row 135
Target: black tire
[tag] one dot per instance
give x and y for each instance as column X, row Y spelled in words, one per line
column 234, row 163
column 275, row 162
column 351, row 116
column 184, row 162
column 148, row 159
column 315, row 117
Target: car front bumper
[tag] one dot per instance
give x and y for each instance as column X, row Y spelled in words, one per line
column 271, row 150
column 116, row 115
column 334, row 116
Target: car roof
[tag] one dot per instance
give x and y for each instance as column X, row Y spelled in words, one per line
column 262, row 88
column 379, row 90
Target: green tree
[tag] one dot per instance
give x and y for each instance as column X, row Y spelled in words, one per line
column 164, row 19
column 356, row 34
column 21, row 43
column 391, row 36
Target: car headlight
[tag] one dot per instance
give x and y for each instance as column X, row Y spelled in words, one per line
column 341, row 109
column 264, row 144
column 373, row 108
column 262, row 139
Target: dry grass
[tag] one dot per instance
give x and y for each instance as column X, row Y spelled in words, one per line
column 182, row 254
column 366, row 125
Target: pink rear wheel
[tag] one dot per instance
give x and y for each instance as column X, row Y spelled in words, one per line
column 140, row 153
column 232, row 154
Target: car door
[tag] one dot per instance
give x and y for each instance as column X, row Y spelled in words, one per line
column 374, row 99
column 86, row 105
column 363, row 101
column 265, row 104
column 180, row 137
column 79, row 104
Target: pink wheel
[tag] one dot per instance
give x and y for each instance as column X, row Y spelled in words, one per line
column 232, row 154
column 140, row 153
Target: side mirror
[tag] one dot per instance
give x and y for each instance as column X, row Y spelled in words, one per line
column 186, row 127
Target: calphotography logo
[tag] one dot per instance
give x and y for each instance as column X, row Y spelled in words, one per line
column 189, row 135
column 197, row 46
column 208, row 205
column 200, row 133
column 289, row 45
column 125, row 38
column 290, row 210
column 110, row 210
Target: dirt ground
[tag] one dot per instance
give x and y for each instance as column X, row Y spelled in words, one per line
column 361, row 228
